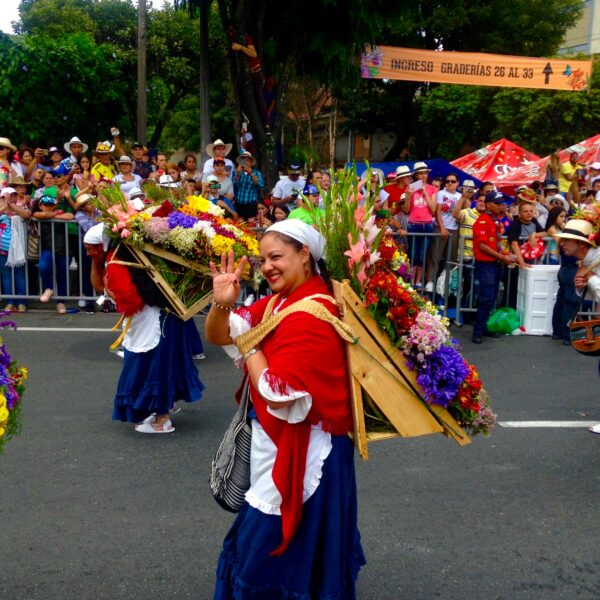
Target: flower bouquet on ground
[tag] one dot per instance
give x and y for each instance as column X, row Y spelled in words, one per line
column 12, row 385
column 176, row 243
column 408, row 375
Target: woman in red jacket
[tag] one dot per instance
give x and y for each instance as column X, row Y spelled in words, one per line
column 296, row 534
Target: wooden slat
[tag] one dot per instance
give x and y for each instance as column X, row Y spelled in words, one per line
column 379, row 346
column 162, row 253
column 179, row 307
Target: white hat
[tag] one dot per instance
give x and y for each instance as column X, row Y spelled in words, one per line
column 212, row 179
column 8, row 190
column 305, row 234
column 558, row 198
column 75, row 140
column 468, row 183
column 136, row 192
column 97, row 235
column 577, row 229
column 167, row 181
column 420, row 166
column 595, row 165
column 125, row 159
column 218, row 142
column 5, row 143
column 403, row 171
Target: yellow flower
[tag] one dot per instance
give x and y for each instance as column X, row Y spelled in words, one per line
column 221, row 244
column 2, row 401
column 24, row 373
column 3, row 415
column 2, row 431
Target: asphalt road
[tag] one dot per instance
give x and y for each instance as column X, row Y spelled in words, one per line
column 90, row 509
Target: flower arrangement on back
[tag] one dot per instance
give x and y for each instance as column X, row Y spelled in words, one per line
column 380, row 274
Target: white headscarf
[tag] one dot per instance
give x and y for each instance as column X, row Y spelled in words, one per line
column 97, row 235
column 303, row 233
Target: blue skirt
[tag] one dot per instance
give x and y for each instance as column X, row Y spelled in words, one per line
column 194, row 339
column 153, row 381
column 323, row 559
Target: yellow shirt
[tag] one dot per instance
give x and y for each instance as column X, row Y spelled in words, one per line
column 566, row 169
column 107, row 171
column 467, row 218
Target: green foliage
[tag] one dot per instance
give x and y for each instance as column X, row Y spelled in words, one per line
column 453, row 116
column 49, row 91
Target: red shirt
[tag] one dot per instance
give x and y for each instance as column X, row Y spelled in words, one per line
column 488, row 231
column 395, row 195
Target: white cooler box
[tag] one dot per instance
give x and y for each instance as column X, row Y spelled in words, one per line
column 536, row 292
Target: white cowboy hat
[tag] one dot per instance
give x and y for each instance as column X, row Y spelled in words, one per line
column 403, row 171
column 75, row 140
column 219, row 142
column 577, row 229
column 420, row 166
column 125, row 159
column 5, row 143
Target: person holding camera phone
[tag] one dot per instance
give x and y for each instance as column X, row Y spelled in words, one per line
column 288, row 189
column 247, row 183
column 212, row 191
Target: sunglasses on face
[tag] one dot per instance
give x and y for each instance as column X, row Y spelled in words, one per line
column 451, row 181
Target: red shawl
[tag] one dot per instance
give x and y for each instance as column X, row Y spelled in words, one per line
column 122, row 287
column 305, row 354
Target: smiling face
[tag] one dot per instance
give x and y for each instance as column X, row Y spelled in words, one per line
column 284, row 266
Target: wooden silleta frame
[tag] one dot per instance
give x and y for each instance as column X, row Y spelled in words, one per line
column 379, row 369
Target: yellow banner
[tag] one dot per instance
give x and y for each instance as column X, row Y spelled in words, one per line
column 475, row 68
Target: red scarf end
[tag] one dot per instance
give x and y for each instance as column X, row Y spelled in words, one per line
column 281, row 548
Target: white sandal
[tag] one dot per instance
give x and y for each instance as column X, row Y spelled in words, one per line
column 166, row 427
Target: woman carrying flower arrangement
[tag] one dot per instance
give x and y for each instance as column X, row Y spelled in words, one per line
column 296, row 534
column 157, row 369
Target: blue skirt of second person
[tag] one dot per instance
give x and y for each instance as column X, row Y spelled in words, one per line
column 323, row 559
column 153, row 381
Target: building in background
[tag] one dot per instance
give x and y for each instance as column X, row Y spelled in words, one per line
column 584, row 36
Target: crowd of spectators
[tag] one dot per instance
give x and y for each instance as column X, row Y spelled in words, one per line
column 40, row 187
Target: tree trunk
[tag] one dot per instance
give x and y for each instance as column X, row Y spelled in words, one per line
column 332, row 135
column 162, row 120
column 205, row 125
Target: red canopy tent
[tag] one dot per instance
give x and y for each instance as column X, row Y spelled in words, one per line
column 495, row 160
column 589, row 152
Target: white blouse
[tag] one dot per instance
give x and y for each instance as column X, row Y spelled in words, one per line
column 263, row 493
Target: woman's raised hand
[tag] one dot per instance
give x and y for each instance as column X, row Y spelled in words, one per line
column 226, row 282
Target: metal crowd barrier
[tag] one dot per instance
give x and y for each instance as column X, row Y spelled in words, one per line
column 453, row 285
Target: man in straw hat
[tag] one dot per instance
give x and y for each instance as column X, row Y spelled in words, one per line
column 575, row 241
column 217, row 149
column 104, row 168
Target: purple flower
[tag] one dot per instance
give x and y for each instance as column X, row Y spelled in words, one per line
column 179, row 219
column 441, row 374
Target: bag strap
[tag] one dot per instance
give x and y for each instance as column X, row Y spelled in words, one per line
column 269, row 309
column 252, row 338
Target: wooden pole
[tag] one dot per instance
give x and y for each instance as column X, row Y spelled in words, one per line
column 205, row 121
column 141, row 99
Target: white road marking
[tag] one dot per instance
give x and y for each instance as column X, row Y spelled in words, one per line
column 526, row 424
column 84, row 329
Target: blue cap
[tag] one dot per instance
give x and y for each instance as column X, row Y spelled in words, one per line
column 62, row 170
column 311, row 189
column 294, row 168
column 495, row 197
